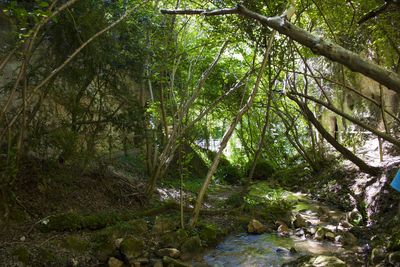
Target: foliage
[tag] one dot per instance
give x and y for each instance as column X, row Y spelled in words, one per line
column 228, row 173
column 273, row 202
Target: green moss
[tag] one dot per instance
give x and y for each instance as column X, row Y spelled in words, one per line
column 102, row 245
column 22, row 254
column 101, row 220
column 193, row 244
column 209, row 233
column 62, row 222
column 46, row 257
column 75, row 243
column 174, row 239
column 235, row 200
column 132, row 247
column 75, row 222
column 271, row 203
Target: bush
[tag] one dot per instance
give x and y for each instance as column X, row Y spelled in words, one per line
column 262, row 171
column 235, row 200
column 228, row 173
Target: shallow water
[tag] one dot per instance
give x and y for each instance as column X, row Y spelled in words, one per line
column 252, row 250
column 268, row 250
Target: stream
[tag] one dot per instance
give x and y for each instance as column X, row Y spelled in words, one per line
column 271, row 249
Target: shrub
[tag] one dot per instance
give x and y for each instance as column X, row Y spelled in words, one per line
column 262, row 171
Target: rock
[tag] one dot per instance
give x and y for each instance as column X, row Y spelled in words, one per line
column 320, row 234
column 117, row 242
column 330, row 236
column 324, row 261
column 394, row 258
column 325, row 218
column 174, row 262
column 132, row 248
column 140, row 226
column 114, row 262
column 174, row 239
column 293, row 250
column 377, row 255
column 311, row 230
column 299, row 221
column 209, row 233
column 322, row 211
column 354, row 216
column 170, row 252
column 191, row 245
column 345, row 224
column 281, row 250
column 256, row 227
column 74, row 262
column 164, row 225
column 347, row 239
column 324, row 233
column 299, row 232
column 140, row 261
column 283, row 230
column 158, row 263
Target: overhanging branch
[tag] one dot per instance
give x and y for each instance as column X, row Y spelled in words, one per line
column 317, row 44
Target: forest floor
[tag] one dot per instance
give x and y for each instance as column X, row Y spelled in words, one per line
column 64, row 216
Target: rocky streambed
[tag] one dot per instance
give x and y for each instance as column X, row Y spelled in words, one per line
column 316, row 236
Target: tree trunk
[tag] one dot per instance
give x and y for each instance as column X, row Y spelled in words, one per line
column 227, row 136
column 344, row 151
column 353, row 120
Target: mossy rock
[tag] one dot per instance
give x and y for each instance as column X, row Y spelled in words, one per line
column 209, row 233
column 75, row 243
column 192, row 245
column 174, row 239
column 102, row 245
column 23, row 255
column 99, row 221
column 62, row 222
column 139, row 226
column 74, row 222
column 165, row 224
column 132, row 247
column 323, row 260
column 123, row 229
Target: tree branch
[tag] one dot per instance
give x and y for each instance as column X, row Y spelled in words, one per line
column 317, row 44
column 350, row 118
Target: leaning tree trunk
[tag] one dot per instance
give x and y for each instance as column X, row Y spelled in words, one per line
column 324, row 133
column 380, row 134
column 228, row 135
